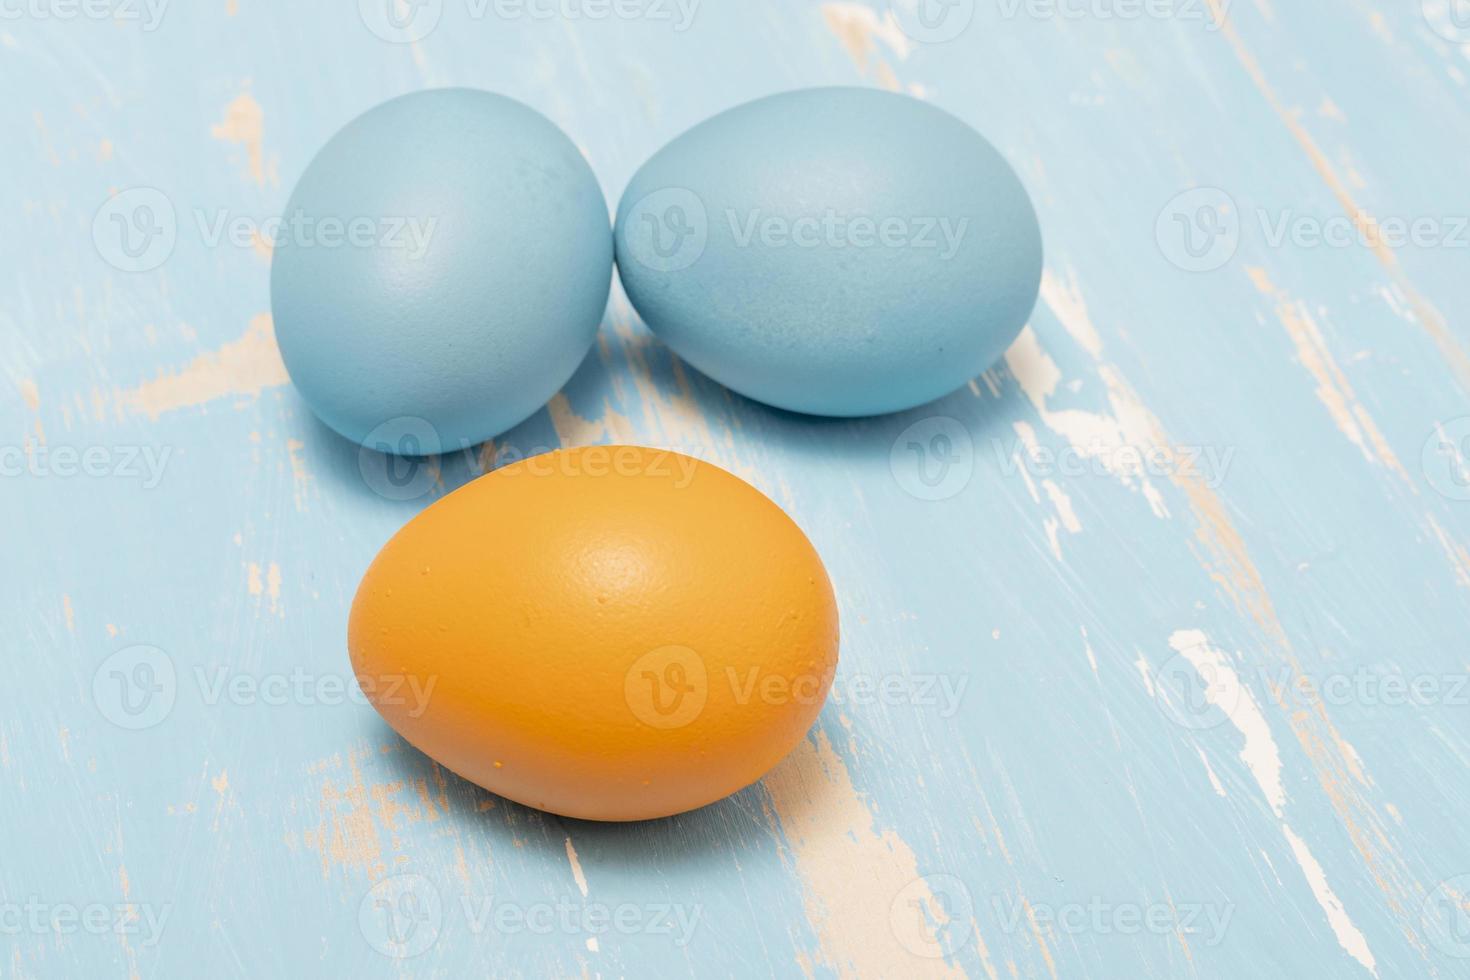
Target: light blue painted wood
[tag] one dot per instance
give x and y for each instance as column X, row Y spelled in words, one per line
column 1093, row 755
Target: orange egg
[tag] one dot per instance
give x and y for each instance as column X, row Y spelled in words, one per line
column 609, row 632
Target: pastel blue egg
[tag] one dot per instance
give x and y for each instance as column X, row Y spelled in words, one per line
column 835, row 251
column 440, row 271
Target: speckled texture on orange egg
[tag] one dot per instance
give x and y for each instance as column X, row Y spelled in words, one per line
column 608, row 632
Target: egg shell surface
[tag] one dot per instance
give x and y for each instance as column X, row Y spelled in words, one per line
column 609, row 632
column 835, row 251
column 441, row 271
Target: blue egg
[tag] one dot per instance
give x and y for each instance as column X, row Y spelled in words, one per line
column 440, row 271
column 835, row 251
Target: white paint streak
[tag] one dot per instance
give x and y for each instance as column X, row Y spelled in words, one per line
column 1063, row 504
column 1064, row 515
column 831, row 831
column 1262, row 758
column 1224, row 690
column 577, row 874
column 1210, row 772
column 1119, row 440
column 1146, row 673
column 242, row 367
column 1333, row 389
column 1349, row 937
column 1457, row 554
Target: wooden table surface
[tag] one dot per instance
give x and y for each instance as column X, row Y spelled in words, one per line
column 1154, row 657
